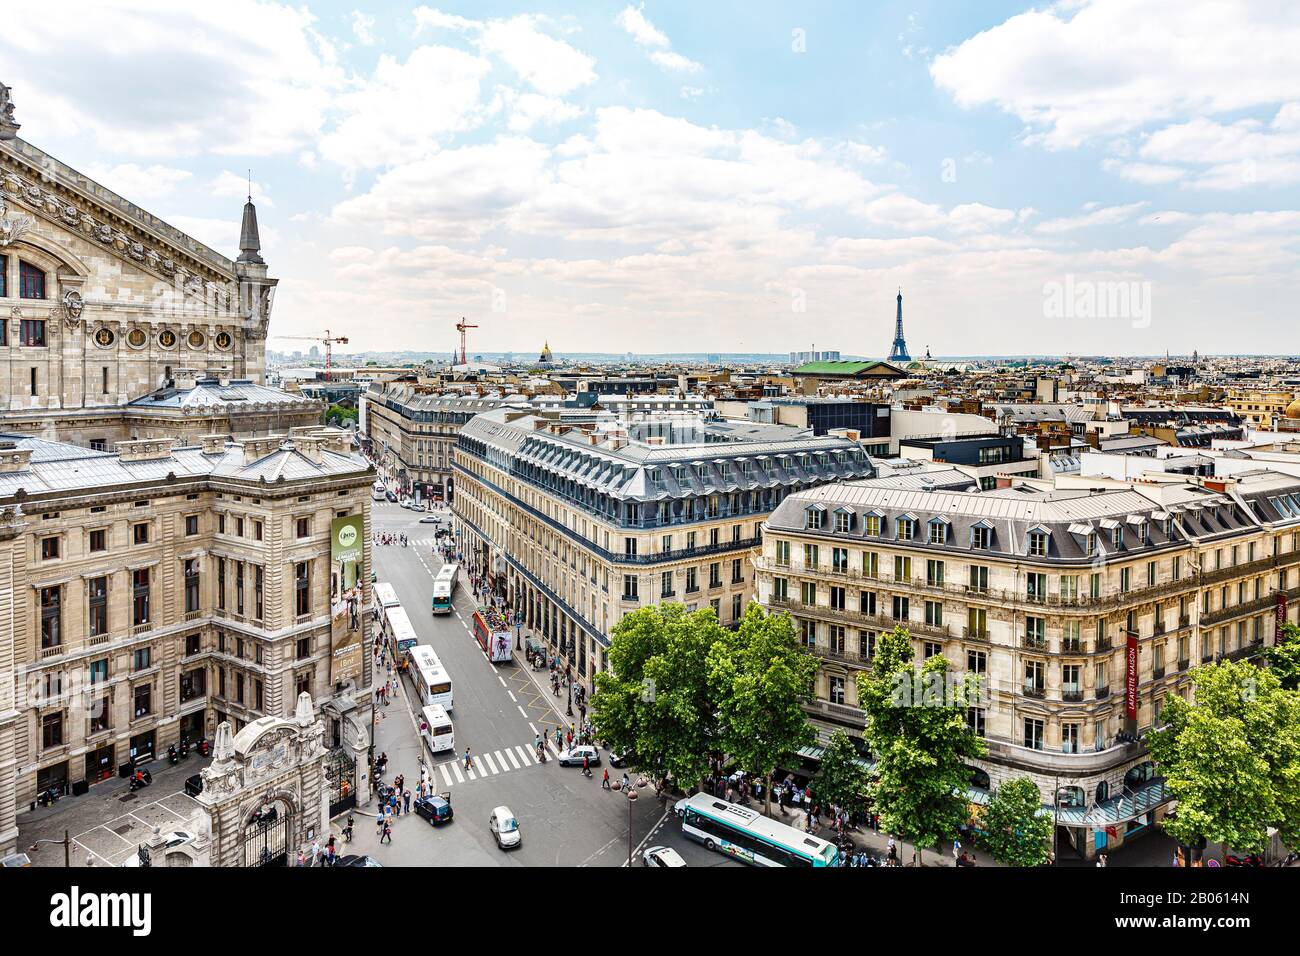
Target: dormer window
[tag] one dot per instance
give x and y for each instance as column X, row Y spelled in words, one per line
column 1169, row 528
column 815, row 518
column 843, row 520
column 905, row 529
column 1038, row 544
column 1090, row 544
column 871, row 526
column 1142, row 533
column 981, row 537
column 938, row 532
column 1117, row 538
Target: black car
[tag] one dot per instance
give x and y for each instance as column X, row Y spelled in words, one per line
column 436, row 807
column 194, row 785
column 354, row 860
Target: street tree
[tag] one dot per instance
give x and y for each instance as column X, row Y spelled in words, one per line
column 1016, row 831
column 759, row 675
column 916, row 728
column 1284, row 657
column 1231, row 758
column 841, row 778
column 654, row 700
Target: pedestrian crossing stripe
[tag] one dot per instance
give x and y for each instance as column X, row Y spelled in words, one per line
column 489, row 763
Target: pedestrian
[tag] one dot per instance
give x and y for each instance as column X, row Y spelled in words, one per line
column 347, row 830
column 627, row 784
column 604, row 783
column 956, row 852
column 302, row 859
column 388, row 834
column 315, row 853
column 1101, row 860
column 406, row 799
column 469, row 761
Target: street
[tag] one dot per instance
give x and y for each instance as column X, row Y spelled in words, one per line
column 565, row 819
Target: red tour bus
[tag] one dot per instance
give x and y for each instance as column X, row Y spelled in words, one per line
column 492, row 631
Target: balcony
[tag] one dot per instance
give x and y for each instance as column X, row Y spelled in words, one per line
column 1033, row 690
column 971, row 634
column 98, row 640
column 1183, row 664
column 1073, row 645
column 841, row 713
column 143, row 628
column 1034, row 642
column 1101, row 693
column 1072, row 696
column 1238, row 610
column 1157, row 673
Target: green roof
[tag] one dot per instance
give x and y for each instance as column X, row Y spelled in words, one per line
column 843, row 367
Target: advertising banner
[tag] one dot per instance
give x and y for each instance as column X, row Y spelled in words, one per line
column 346, row 585
column 1281, row 617
column 1131, row 680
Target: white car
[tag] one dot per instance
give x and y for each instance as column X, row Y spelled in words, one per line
column 662, row 856
column 573, row 756
column 170, row 840
column 504, row 828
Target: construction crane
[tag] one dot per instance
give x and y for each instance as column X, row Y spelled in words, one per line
column 327, row 339
column 461, row 326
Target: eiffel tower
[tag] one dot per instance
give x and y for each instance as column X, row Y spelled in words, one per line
column 899, row 352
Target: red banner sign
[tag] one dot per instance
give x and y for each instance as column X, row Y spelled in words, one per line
column 1281, row 617
column 1131, row 683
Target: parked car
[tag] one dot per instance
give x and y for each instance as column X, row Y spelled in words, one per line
column 436, row 807
column 504, row 828
column 353, row 859
column 194, row 785
column 174, row 839
column 431, row 519
column 617, row 760
column 664, row 856
column 573, row 756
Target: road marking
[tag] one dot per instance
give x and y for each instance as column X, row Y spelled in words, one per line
column 445, row 775
column 460, row 777
column 487, row 761
column 554, row 753
column 525, row 717
column 511, row 754
column 533, row 727
column 513, row 698
column 530, row 757
column 636, row 852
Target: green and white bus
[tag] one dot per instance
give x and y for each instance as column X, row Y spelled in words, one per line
column 749, row 836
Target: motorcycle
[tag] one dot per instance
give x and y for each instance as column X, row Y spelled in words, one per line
column 204, row 747
column 172, row 756
column 1251, row 859
column 141, row 779
column 185, row 749
column 48, row 797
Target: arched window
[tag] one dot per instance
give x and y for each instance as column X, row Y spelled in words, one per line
column 1103, row 792
column 1139, row 775
column 1071, row 797
column 31, row 281
column 979, row 778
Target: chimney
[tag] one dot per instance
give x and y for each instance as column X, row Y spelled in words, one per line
column 213, row 444
column 144, row 449
column 309, row 448
column 186, row 378
column 256, row 448
column 14, row 459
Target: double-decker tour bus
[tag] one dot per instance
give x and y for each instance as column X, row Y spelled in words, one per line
column 492, row 631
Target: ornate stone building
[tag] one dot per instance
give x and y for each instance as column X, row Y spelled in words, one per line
column 103, row 303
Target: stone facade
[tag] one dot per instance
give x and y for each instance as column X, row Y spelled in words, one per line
column 151, row 594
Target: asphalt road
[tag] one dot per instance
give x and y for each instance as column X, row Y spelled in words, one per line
column 565, row 819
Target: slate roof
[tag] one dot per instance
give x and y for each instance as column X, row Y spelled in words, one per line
column 209, row 396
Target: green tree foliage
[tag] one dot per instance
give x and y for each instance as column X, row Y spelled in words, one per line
column 759, row 674
column 841, row 779
column 340, row 415
column 1284, row 657
column 1231, row 758
column 918, row 733
column 654, row 700
column 1016, row 832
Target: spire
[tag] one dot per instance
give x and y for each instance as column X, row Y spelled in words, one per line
column 898, row 353
column 250, row 243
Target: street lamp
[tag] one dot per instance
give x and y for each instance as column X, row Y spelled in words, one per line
column 67, row 847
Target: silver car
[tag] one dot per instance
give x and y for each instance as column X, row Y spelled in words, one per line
column 504, row 828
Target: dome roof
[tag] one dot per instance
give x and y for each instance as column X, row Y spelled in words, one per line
column 1293, row 410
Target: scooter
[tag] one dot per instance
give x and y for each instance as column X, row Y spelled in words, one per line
column 172, row 756
column 204, row 747
column 48, row 797
column 185, row 749
column 141, row 779
column 1251, row 859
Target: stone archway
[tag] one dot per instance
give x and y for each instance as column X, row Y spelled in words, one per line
column 265, row 792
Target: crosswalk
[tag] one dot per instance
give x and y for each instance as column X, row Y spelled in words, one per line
column 490, row 763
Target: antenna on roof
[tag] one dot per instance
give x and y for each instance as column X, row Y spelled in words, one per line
column 250, row 184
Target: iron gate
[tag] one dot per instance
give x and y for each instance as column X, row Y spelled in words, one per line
column 341, row 781
column 266, row 838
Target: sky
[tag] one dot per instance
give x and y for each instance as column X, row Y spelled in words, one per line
column 731, row 176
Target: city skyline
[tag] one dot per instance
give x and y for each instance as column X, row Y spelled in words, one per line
column 611, row 178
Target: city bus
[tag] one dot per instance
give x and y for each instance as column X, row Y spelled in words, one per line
column 444, row 588
column 432, row 682
column 382, row 596
column 437, row 729
column 492, row 631
column 398, row 631
column 749, row 836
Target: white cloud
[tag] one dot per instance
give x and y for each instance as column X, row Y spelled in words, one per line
column 228, row 185
column 550, row 66
column 363, row 28
column 138, row 183
column 531, row 109
column 259, row 78
column 674, row 61
column 1148, row 174
column 391, row 116
column 1099, row 68
column 640, row 29
column 1094, row 215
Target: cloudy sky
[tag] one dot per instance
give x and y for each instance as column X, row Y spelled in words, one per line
column 736, row 175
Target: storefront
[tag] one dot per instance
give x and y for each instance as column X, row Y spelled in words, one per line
column 54, row 777
column 142, row 748
column 99, row 764
column 192, row 727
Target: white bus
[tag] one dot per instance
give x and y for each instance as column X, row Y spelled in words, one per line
column 382, row 596
column 432, row 681
column 437, row 729
column 749, row 836
column 398, row 631
column 444, row 587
